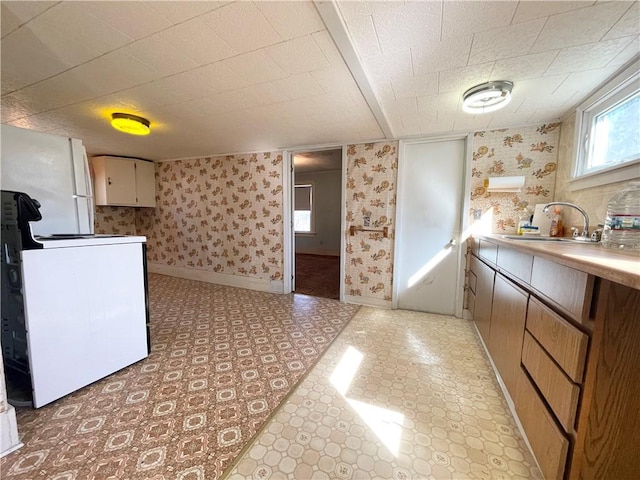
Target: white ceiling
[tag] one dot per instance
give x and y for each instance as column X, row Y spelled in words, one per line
column 222, row 77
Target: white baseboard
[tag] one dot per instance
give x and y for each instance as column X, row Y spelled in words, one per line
column 367, row 301
column 9, row 440
column 319, row 251
column 251, row 283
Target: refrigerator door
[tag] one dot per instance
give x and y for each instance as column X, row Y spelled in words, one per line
column 85, row 210
column 82, row 177
column 83, row 187
column 42, row 165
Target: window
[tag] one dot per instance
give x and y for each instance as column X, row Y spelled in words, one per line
column 303, row 210
column 615, row 135
column 608, row 133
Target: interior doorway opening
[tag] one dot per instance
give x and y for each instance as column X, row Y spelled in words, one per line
column 317, row 222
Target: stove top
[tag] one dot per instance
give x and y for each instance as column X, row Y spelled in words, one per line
column 72, row 236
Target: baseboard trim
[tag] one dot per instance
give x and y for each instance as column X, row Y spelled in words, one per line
column 368, row 302
column 251, row 283
column 9, row 439
column 507, row 395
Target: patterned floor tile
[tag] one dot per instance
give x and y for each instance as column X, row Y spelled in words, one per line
column 401, row 395
column 222, row 361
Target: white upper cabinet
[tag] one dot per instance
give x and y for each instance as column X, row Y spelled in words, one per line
column 121, row 181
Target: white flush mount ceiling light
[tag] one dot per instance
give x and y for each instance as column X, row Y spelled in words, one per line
column 487, row 97
column 131, row 124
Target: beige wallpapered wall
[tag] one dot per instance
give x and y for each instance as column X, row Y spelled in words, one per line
column 594, row 200
column 371, row 191
column 530, row 151
column 115, row 220
column 219, row 214
column 224, row 214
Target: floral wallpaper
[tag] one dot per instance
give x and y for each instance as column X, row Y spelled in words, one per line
column 222, row 214
column 115, row 220
column 371, row 192
column 530, row 151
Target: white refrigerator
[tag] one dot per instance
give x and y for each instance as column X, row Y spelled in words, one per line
column 53, row 170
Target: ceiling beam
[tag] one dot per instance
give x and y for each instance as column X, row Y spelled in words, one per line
column 332, row 18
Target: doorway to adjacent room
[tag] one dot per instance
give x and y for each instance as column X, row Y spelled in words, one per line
column 317, row 221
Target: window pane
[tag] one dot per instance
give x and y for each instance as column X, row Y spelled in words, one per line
column 616, row 135
column 302, row 220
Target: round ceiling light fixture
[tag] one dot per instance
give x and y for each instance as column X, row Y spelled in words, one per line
column 131, row 124
column 487, row 97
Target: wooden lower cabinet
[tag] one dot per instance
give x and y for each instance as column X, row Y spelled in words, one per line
column 560, row 393
column 508, row 316
column 608, row 433
column 575, row 380
column 549, row 444
column 483, row 298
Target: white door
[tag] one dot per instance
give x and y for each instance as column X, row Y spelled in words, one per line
column 430, row 198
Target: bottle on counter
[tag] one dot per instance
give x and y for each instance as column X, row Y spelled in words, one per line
column 524, row 221
column 622, row 224
column 557, row 228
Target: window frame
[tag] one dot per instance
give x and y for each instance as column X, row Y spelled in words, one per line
column 312, row 222
column 622, row 86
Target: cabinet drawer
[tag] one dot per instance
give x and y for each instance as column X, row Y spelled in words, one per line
column 565, row 343
column 570, row 289
column 471, row 302
column 516, row 263
column 473, row 269
column 488, row 251
column 549, row 444
column 561, row 394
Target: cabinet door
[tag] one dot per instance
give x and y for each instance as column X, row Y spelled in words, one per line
column 483, row 298
column 508, row 315
column 145, row 183
column 120, row 178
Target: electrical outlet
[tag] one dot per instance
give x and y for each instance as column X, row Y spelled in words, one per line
column 477, row 214
column 366, row 220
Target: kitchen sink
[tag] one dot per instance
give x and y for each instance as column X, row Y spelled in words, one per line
column 532, row 238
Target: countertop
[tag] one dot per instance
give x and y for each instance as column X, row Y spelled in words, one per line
column 617, row 266
column 88, row 240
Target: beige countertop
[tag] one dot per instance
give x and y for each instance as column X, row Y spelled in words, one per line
column 617, row 266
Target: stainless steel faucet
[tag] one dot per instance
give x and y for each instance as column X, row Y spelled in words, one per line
column 585, row 227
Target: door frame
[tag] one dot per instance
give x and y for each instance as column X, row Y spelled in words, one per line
column 462, row 228
column 289, row 243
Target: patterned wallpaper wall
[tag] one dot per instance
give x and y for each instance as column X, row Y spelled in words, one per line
column 220, row 214
column 371, row 191
column 225, row 214
column 115, row 220
column 530, row 151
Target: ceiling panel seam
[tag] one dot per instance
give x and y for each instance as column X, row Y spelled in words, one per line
column 336, row 27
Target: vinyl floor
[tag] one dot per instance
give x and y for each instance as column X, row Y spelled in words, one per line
column 222, row 361
column 249, row 385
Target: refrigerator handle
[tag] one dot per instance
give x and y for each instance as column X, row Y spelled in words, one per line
column 87, row 174
column 92, row 209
